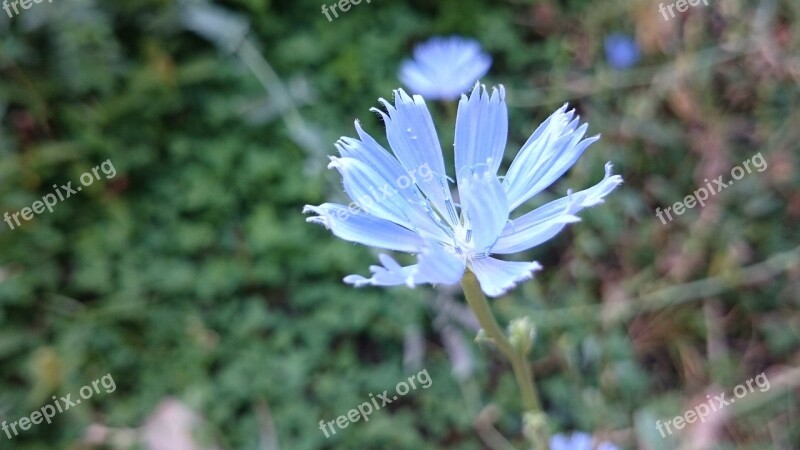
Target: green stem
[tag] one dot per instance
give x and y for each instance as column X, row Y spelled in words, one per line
column 522, row 371
column 450, row 109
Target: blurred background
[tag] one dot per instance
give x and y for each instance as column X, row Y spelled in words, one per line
column 192, row 278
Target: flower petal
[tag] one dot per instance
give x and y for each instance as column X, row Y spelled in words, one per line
column 544, row 222
column 522, row 238
column 364, row 228
column 377, row 197
column 496, row 276
column 370, row 152
column 435, row 265
column 552, row 149
column 370, row 192
column 484, row 208
column 481, row 130
column 395, row 181
column 413, row 138
column 576, row 441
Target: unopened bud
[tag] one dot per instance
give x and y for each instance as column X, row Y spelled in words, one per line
column 521, row 334
column 482, row 336
column 534, row 427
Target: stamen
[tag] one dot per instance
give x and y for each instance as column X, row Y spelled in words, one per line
column 451, row 210
column 437, row 219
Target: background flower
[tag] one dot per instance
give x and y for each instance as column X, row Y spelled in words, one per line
column 445, row 67
column 622, row 51
column 578, row 441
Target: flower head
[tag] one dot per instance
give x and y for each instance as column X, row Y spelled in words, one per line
column 403, row 202
column 445, row 67
column 621, row 51
column 578, row 441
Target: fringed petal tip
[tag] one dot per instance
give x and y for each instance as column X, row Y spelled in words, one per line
column 479, row 90
column 508, row 287
column 401, row 96
column 497, row 277
column 610, row 178
column 357, row 280
column 500, row 92
column 335, row 162
column 434, row 266
column 528, row 274
column 595, row 195
column 564, row 112
column 320, row 218
column 610, row 172
column 385, row 117
column 609, row 183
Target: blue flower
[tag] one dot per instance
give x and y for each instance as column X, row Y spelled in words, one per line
column 621, row 51
column 408, row 206
column 444, row 68
column 578, row 441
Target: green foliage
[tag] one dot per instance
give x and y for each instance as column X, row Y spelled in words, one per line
column 192, row 273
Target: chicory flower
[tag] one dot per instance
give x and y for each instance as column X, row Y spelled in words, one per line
column 445, row 67
column 403, row 201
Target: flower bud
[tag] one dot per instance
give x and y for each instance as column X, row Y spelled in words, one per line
column 521, row 334
column 482, row 336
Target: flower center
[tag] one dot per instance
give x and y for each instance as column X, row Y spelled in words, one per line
column 464, row 244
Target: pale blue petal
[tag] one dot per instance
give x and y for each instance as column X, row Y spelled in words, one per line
column 372, row 193
column 435, row 266
column 365, row 229
column 413, row 138
column 379, row 198
column 481, row 131
column 559, row 442
column 581, row 441
column 552, row 150
column 396, row 180
column 484, row 208
column 577, row 441
column 546, row 221
column 496, row 276
column 444, row 68
column 371, row 153
column 534, row 151
column 522, row 238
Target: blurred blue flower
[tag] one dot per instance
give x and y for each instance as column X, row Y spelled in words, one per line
column 444, row 67
column 408, row 206
column 622, row 51
column 578, row 441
